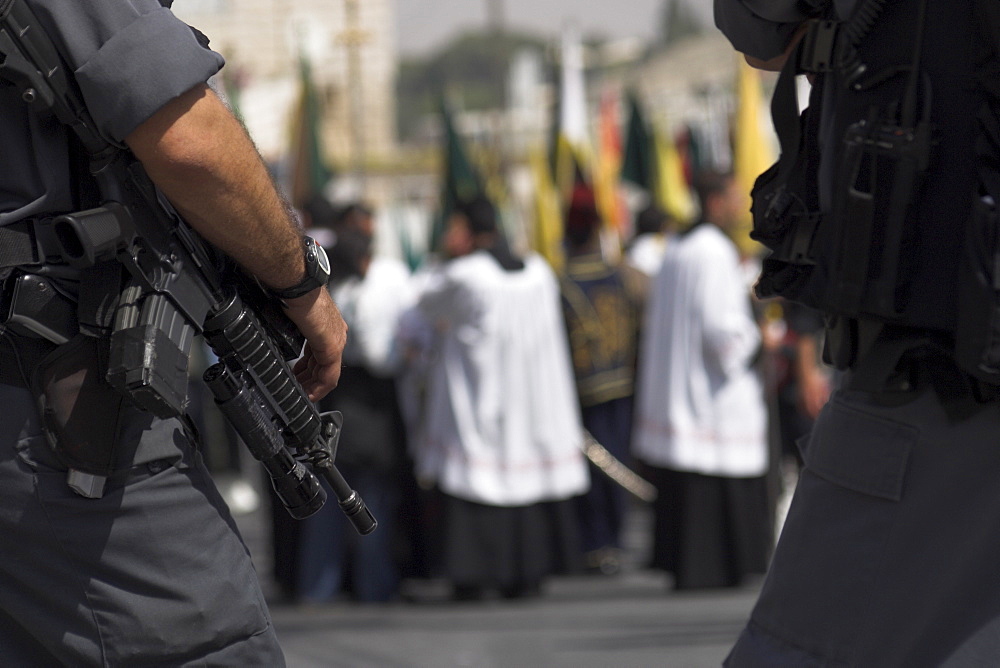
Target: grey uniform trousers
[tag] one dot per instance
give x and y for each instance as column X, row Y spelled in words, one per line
column 153, row 573
column 890, row 555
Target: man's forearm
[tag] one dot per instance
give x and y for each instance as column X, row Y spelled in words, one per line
column 200, row 156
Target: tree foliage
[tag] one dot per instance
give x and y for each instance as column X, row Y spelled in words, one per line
column 473, row 67
column 677, row 21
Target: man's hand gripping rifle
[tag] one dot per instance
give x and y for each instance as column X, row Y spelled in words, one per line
column 178, row 287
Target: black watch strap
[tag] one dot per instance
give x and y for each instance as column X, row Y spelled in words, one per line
column 317, row 272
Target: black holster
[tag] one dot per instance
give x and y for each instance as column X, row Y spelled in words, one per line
column 80, row 411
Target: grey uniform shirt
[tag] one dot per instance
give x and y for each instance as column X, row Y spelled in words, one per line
column 129, row 58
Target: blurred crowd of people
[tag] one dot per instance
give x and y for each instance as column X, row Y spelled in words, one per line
column 470, row 386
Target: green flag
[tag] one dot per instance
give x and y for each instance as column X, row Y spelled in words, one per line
column 231, row 89
column 639, row 161
column 309, row 172
column 460, row 180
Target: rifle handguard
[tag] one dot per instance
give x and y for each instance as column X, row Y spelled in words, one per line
column 298, row 489
column 240, row 340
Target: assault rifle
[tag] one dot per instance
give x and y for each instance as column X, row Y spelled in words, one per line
column 177, row 286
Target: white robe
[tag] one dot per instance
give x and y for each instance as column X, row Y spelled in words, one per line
column 372, row 308
column 646, row 253
column 502, row 426
column 700, row 403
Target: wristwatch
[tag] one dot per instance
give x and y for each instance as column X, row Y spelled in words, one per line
column 317, row 272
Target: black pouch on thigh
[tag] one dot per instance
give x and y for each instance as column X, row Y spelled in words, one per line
column 80, row 410
column 822, row 593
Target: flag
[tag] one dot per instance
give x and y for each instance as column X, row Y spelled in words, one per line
column 689, row 147
column 568, row 155
column 460, row 179
column 753, row 153
column 653, row 163
column 673, row 191
column 609, row 162
column 230, row 89
column 639, row 160
column 308, row 172
column 571, row 152
column 547, row 233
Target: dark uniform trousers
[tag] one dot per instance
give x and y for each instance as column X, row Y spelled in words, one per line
column 153, row 573
column 890, row 555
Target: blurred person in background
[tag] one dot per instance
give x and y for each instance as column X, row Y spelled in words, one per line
column 499, row 433
column 318, row 216
column 701, row 423
column 653, row 229
column 804, row 380
column 800, row 385
column 371, row 291
column 602, row 303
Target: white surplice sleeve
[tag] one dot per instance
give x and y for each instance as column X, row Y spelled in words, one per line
column 732, row 337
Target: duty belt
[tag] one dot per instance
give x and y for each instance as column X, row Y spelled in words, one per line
column 50, row 239
column 20, row 243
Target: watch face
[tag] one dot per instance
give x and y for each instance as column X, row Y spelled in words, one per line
column 317, row 272
column 324, row 261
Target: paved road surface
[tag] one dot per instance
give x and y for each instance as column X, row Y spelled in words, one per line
column 629, row 620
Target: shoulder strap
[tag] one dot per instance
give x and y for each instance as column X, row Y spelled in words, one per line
column 827, row 44
column 785, row 211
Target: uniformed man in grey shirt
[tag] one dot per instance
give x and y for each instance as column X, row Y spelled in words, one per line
column 154, row 572
column 889, row 553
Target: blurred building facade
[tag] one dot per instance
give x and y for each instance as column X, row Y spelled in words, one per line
column 693, row 84
column 689, row 86
column 350, row 46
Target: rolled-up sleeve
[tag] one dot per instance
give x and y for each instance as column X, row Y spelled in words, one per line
column 140, row 69
column 129, row 58
column 760, row 28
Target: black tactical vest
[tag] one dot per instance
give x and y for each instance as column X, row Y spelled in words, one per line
column 867, row 211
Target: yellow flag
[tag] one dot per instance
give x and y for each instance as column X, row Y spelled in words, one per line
column 547, row 235
column 753, row 153
column 673, row 194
